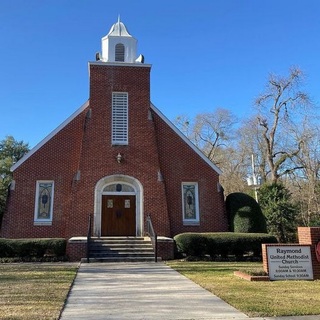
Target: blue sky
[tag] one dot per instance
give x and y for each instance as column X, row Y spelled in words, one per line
column 204, row 54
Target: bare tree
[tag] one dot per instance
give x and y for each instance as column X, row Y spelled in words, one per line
column 250, row 142
column 305, row 183
column 209, row 131
column 278, row 109
column 234, row 170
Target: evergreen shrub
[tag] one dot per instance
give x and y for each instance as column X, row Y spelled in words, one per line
column 244, row 214
column 32, row 248
column 219, row 245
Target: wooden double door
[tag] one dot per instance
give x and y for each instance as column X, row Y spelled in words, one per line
column 118, row 215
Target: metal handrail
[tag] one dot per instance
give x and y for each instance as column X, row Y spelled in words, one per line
column 89, row 238
column 153, row 236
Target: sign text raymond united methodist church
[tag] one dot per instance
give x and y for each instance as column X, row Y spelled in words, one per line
column 289, row 263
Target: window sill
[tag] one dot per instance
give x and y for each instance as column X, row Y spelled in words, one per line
column 191, row 223
column 42, row 223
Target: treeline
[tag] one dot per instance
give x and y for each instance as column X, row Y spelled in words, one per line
column 278, row 143
column 11, row 151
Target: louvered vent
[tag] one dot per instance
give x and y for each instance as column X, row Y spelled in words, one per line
column 120, row 118
column 119, row 56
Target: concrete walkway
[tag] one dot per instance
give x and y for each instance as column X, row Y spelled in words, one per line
column 144, row 291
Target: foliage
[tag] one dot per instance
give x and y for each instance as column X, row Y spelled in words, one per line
column 281, row 214
column 3, row 197
column 221, row 244
column 11, row 151
column 192, row 244
column 28, row 248
column 244, row 214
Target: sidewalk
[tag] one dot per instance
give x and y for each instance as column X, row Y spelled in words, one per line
column 144, row 291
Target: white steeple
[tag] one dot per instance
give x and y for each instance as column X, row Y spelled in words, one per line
column 119, row 46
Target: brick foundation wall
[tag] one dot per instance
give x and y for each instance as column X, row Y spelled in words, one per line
column 76, row 249
column 166, row 248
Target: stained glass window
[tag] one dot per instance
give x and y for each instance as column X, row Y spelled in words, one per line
column 190, row 202
column 44, row 201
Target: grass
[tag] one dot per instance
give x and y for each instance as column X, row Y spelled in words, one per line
column 34, row 290
column 38, row 290
column 256, row 299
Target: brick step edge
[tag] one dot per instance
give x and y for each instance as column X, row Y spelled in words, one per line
column 249, row 277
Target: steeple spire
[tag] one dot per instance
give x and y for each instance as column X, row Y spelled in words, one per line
column 119, row 28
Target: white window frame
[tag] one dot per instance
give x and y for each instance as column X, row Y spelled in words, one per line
column 120, row 121
column 196, row 220
column 43, row 221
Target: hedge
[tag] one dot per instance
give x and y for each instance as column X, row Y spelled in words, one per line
column 38, row 248
column 222, row 244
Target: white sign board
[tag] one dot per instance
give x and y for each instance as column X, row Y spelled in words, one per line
column 289, row 262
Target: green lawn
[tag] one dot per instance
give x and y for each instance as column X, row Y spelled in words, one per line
column 272, row 298
column 38, row 291
column 34, row 291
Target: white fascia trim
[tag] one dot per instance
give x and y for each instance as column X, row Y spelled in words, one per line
column 184, row 138
column 49, row 136
column 120, row 64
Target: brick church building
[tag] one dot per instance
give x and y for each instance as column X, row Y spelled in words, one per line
column 117, row 158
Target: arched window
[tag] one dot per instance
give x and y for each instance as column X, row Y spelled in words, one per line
column 119, row 56
column 118, row 187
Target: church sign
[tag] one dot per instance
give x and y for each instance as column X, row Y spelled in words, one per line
column 289, row 262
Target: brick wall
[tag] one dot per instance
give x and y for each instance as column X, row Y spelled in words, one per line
column 179, row 163
column 166, row 248
column 84, row 145
column 56, row 160
column 98, row 156
column 76, row 249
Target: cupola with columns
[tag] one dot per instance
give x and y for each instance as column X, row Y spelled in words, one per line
column 119, row 46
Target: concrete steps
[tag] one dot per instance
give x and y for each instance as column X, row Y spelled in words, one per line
column 121, row 249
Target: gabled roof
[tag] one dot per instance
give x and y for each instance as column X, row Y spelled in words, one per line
column 184, row 138
column 49, row 136
column 84, row 106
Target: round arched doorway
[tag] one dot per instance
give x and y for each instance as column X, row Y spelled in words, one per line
column 118, row 207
